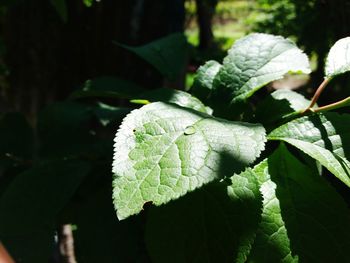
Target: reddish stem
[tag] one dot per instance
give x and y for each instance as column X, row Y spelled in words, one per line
column 317, row 94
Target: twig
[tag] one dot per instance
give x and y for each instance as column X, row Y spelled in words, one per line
column 317, row 94
column 336, row 105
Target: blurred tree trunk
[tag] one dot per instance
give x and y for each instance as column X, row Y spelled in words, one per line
column 205, row 13
column 48, row 58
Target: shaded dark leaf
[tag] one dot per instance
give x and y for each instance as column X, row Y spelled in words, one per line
column 168, row 54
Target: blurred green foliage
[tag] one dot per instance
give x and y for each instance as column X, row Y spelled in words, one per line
column 315, row 25
column 304, row 20
column 229, row 24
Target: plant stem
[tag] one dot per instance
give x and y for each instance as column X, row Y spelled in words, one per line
column 317, row 94
column 336, row 105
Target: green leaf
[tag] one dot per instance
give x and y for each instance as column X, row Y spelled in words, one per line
column 253, row 62
column 211, row 224
column 280, row 105
column 168, row 54
column 108, row 87
column 325, row 137
column 30, row 205
column 271, row 243
column 36, row 247
column 316, row 217
column 178, row 97
column 61, row 9
column 16, row 137
column 203, row 82
column 107, row 114
column 88, row 3
column 246, row 208
column 65, row 129
column 163, row 151
column 338, row 59
column 16, row 147
column 112, row 240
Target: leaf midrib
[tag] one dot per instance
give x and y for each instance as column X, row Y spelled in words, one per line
column 296, row 211
column 242, row 86
column 173, row 142
column 339, row 173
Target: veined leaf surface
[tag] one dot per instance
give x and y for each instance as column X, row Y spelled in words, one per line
column 163, row 151
column 325, row 137
column 338, row 59
column 316, row 217
column 256, row 60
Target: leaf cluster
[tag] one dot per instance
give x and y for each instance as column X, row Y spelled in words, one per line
column 224, row 173
column 244, row 182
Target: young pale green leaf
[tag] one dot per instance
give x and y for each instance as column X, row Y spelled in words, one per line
column 203, row 82
column 168, row 54
column 271, row 243
column 163, row 151
column 325, row 137
column 279, row 105
column 254, row 61
column 316, row 217
column 178, row 97
column 213, row 224
column 338, row 59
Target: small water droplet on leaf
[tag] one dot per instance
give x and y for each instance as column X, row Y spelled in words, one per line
column 190, row 130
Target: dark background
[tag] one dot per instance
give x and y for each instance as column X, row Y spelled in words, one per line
column 49, row 49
